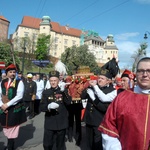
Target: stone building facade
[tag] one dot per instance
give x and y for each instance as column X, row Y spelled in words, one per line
column 4, row 26
column 62, row 37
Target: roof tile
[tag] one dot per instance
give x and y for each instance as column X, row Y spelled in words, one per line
column 32, row 22
column 3, row 18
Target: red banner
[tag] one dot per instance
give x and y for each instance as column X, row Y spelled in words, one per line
column 2, row 65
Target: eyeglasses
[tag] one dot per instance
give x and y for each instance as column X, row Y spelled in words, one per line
column 142, row 71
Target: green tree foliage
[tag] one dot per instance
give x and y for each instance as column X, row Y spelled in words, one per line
column 138, row 54
column 75, row 57
column 7, row 54
column 42, row 47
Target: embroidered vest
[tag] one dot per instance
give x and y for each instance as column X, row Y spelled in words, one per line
column 11, row 90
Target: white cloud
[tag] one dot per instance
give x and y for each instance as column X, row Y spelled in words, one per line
column 126, row 36
column 126, row 50
column 143, row 1
column 127, row 46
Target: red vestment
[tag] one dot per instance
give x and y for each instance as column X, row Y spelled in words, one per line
column 128, row 119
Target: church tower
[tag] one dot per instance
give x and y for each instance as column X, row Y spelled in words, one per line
column 110, row 48
column 45, row 26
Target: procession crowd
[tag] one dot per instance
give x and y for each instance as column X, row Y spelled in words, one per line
column 116, row 111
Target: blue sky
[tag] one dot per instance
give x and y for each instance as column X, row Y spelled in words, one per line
column 126, row 20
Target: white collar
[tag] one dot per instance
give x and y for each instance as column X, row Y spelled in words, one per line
column 137, row 89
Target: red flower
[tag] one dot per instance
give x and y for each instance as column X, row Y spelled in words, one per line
column 76, row 81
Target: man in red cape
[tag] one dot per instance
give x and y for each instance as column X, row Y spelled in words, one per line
column 126, row 125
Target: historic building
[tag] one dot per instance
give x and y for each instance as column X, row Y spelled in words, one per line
column 102, row 50
column 4, row 26
column 62, row 37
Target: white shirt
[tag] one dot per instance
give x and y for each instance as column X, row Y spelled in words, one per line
column 109, row 97
column 47, row 86
column 40, row 88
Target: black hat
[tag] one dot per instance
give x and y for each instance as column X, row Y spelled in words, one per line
column 112, row 66
column 106, row 73
column 54, row 74
column 19, row 72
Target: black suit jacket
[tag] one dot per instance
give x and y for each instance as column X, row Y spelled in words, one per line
column 95, row 110
column 55, row 119
column 30, row 90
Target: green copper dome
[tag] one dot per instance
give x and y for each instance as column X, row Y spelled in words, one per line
column 110, row 38
column 45, row 20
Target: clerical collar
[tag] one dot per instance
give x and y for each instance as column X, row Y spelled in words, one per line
column 137, row 89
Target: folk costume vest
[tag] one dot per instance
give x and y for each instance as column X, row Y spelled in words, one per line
column 16, row 113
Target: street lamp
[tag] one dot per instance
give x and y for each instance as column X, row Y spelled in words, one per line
column 24, row 49
column 145, row 35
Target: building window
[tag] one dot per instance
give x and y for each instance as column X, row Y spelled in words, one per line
column 26, row 34
column 73, row 42
column 66, row 41
column 56, row 39
column 34, row 36
column 56, row 47
column 65, row 47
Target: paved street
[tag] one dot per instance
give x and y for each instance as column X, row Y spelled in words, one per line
column 31, row 136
